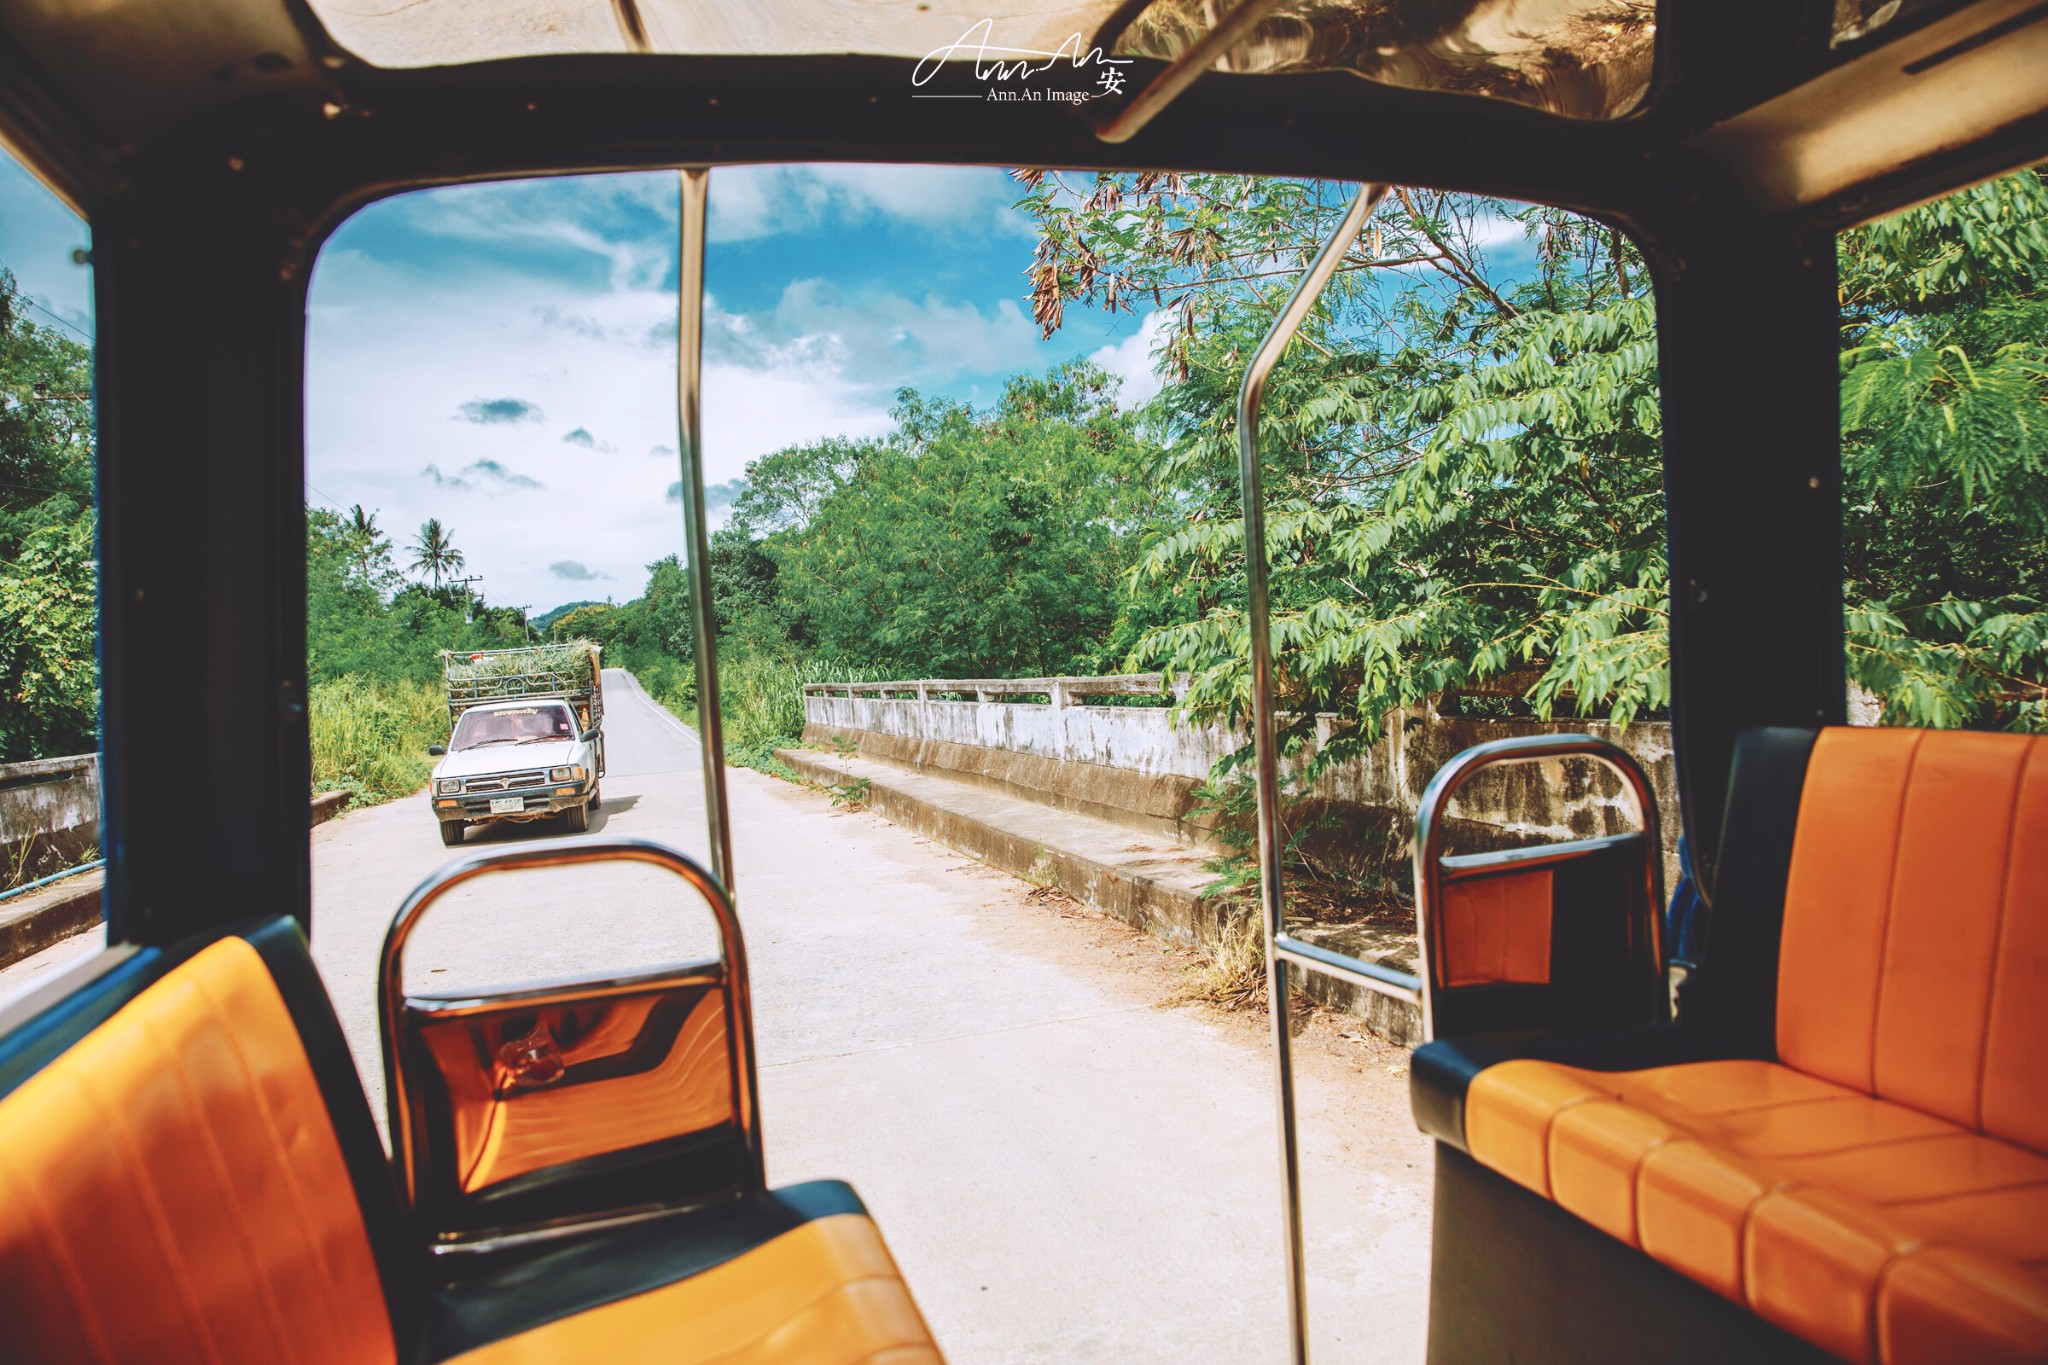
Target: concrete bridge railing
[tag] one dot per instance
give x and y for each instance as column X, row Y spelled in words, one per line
column 1139, row 765
column 49, row 813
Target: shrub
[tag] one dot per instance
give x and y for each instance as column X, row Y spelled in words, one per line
column 761, row 700
column 370, row 738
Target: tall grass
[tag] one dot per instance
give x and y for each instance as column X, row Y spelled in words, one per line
column 371, row 738
column 761, row 698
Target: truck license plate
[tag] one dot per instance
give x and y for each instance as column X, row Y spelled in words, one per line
column 507, row 805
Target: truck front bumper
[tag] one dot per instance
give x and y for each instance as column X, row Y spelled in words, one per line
column 535, row 803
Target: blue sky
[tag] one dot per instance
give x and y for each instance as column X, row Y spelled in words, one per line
column 503, row 356
column 37, row 236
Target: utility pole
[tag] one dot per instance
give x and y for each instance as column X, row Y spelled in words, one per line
column 465, row 582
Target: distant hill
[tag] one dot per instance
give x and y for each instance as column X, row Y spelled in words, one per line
column 546, row 620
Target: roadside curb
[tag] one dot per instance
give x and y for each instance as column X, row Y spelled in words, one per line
column 327, row 805
column 1169, row 906
column 31, row 923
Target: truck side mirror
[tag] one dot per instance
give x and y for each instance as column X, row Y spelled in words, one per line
column 436, row 750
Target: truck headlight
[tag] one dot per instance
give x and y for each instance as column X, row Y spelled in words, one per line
column 448, row 786
column 565, row 774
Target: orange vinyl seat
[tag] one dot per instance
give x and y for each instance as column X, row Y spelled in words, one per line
column 1879, row 1187
column 1827, row 1211
column 189, row 1172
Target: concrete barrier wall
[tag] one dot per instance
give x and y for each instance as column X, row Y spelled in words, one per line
column 1140, row 739
column 49, row 812
column 1074, row 755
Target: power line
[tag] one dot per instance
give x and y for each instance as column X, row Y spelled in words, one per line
column 30, row 300
column 332, row 502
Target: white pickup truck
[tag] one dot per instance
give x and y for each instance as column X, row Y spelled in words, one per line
column 527, row 739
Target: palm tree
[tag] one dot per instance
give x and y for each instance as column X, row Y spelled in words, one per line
column 434, row 551
column 366, row 540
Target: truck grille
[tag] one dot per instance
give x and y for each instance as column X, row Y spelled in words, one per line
column 504, row 782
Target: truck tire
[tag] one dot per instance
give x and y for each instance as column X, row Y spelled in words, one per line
column 597, row 796
column 451, row 833
column 578, row 818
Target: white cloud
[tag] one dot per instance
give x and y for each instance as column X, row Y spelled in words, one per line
column 581, row 437
column 761, row 201
column 472, row 340
column 873, row 336
column 610, row 218
column 1497, row 229
column 1131, row 361
column 489, row 475
column 393, row 351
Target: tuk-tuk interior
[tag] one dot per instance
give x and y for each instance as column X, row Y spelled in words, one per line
column 1833, row 1146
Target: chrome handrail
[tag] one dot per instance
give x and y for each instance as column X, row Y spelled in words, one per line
column 391, row 997
column 1371, row 975
column 1280, row 949
column 695, row 182
column 1443, row 787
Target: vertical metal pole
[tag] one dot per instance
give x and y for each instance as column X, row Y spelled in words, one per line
column 696, row 187
column 1265, row 744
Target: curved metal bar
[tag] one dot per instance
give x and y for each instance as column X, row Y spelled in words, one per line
column 1249, row 396
column 1371, row 975
column 1186, row 69
column 739, row 1000
column 696, row 189
column 1442, row 788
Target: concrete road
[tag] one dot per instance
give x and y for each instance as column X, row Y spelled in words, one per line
column 1066, row 1170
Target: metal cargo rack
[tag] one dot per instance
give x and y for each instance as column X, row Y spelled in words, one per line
column 583, row 691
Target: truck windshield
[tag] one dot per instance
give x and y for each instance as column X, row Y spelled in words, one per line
column 516, row 725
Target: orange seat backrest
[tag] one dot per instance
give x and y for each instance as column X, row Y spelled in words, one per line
column 1914, row 962
column 171, row 1189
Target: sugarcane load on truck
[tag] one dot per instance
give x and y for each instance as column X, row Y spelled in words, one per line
column 526, row 737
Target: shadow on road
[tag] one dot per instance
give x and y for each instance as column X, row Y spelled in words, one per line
column 553, row 827
column 613, row 805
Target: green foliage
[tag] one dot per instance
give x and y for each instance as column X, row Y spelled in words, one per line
column 370, row 737
column 966, row 544
column 364, row 620
column 433, row 551
column 1944, row 439
column 1462, row 464
column 373, row 643
column 762, row 699
column 1462, row 461
column 49, row 672
column 852, row 794
column 570, row 659
column 48, row 633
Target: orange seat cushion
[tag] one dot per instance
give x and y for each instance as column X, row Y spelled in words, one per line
column 171, row 1189
column 1867, row 1227
column 825, row 1293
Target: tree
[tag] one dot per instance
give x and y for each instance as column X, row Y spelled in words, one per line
column 1462, row 449
column 1945, row 435
column 964, row 544
column 367, row 542
column 434, row 551
column 48, row 633
column 49, row 674
column 1460, row 452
